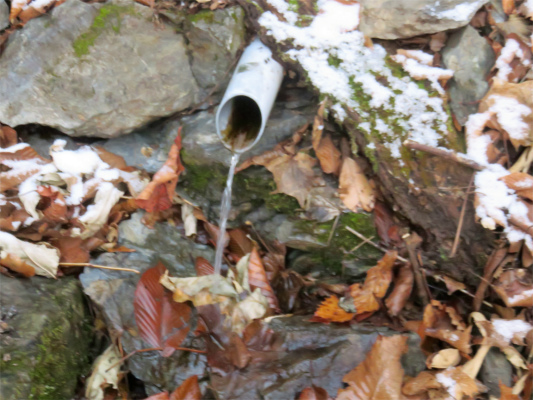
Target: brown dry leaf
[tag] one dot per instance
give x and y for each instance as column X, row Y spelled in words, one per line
column 452, row 285
column 380, row 375
column 329, row 310
column 521, row 183
column 8, row 136
column 328, row 155
column 203, row 267
column 188, row 390
column 75, row 249
column 158, row 194
column 420, row 384
column 504, row 97
column 444, row 359
column 314, row 393
column 506, row 393
column 457, row 383
column 55, row 208
column 112, row 159
column 239, row 243
column 403, row 286
column 378, row 278
column 508, row 6
column 355, row 190
column 15, row 263
column 512, row 290
column 257, row 278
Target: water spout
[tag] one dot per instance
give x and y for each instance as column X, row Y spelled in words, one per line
column 242, row 115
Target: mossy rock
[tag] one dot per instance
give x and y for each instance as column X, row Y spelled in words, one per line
column 46, row 346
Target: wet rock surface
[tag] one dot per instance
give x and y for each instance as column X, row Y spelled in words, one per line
column 395, row 19
column 312, row 354
column 113, row 292
column 44, row 338
column 496, row 368
column 4, row 15
column 102, row 70
column 471, row 58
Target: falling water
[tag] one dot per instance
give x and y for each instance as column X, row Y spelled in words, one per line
column 224, row 212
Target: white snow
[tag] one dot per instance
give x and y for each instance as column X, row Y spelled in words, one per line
column 340, row 65
column 509, row 328
column 461, row 12
column 510, row 115
column 519, row 297
column 508, row 53
column 448, row 382
column 14, row 148
column 81, row 161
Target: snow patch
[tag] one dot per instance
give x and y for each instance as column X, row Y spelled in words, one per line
column 509, row 328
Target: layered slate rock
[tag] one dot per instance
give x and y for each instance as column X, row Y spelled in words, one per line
column 396, row 19
column 45, row 338
column 95, row 70
column 471, row 58
column 311, row 353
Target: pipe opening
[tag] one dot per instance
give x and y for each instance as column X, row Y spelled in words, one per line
column 240, row 122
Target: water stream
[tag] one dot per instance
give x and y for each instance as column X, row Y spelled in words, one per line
column 225, row 207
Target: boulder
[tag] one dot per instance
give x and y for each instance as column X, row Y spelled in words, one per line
column 45, row 337
column 471, row 58
column 397, row 19
column 105, row 69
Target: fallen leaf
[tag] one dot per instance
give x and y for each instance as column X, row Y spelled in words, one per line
column 444, row 359
column 188, row 390
column 380, row 375
column 378, row 278
column 329, row 310
column 189, row 220
column 105, row 373
column 257, row 278
column 420, row 384
column 328, row 155
column 161, row 321
column 506, row 393
column 8, row 136
column 14, row 263
column 452, row 285
column 354, row 189
column 158, row 194
column 513, row 291
column 42, row 257
column 203, row 267
column 403, row 286
column 113, row 160
column 521, row 183
column 457, row 383
column 55, row 207
column 314, row 393
column 159, row 396
column 239, row 242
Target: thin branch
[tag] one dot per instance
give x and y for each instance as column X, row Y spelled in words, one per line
column 444, row 153
column 370, row 242
column 411, row 242
column 461, row 220
column 333, row 229
column 98, row 266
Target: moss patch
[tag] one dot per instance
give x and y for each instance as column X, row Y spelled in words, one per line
column 109, row 17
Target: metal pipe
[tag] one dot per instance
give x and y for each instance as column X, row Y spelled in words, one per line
column 246, row 105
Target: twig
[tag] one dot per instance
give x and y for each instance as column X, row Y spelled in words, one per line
column 370, row 242
column 98, row 266
column 440, row 278
column 461, row 220
column 411, row 242
column 444, row 153
column 361, row 244
column 333, row 229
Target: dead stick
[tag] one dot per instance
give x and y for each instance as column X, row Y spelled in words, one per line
column 366, row 240
column 461, row 220
column 98, row 266
column 493, row 262
column 411, row 242
column 444, row 153
column 333, row 230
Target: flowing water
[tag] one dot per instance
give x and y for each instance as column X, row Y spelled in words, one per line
column 224, row 212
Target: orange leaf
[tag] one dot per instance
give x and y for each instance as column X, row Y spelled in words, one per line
column 380, row 375
column 239, row 243
column 257, row 278
column 121, row 249
column 354, row 189
column 55, row 206
column 158, row 396
column 188, row 390
column 113, row 160
column 363, row 299
column 8, row 136
column 520, row 182
column 161, row 321
column 164, row 182
column 378, row 278
column 15, row 263
column 329, row 310
column 506, row 393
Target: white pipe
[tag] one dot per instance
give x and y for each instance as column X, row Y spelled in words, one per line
column 246, row 105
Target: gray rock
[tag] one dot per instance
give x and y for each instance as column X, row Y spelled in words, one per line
column 395, row 19
column 471, row 58
column 114, row 291
column 44, row 348
column 214, row 39
column 95, row 70
column 312, row 354
column 4, row 15
column 495, row 369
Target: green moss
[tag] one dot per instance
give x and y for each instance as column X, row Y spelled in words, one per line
column 294, row 5
column 334, row 61
column 109, row 17
column 282, row 203
column 204, row 15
